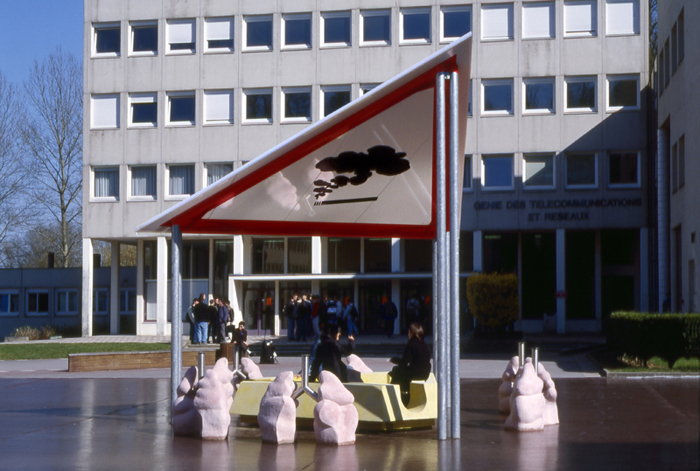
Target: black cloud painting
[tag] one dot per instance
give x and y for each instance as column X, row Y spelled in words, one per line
column 384, row 160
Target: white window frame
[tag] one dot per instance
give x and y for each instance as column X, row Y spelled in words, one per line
column 403, row 12
column 208, row 22
column 168, row 196
column 93, row 47
column 368, row 13
column 552, row 19
column 169, row 24
column 580, row 79
column 594, row 27
column 553, row 156
column 255, row 19
column 142, row 98
column 205, row 174
column 488, row 82
column 67, row 292
column 95, row 295
column 630, row 77
column 9, row 293
column 97, row 106
column 589, row 186
column 453, row 9
column 535, row 81
column 283, row 104
column 510, row 187
column 295, row 16
column 244, row 105
column 37, row 313
column 129, row 293
column 636, row 17
column 183, row 94
column 332, row 88
column 511, row 15
column 129, row 196
column 103, row 199
column 140, row 24
column 322, row 32
column 638, row 184
column 206, row 119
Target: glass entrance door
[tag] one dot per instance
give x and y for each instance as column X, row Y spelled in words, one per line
column 259, row 307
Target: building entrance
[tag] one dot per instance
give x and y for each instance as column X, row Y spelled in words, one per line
column 259, row 307
column 538, row 274
column 369, row 304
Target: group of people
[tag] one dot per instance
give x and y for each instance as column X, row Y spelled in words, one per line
column 308, row 316
column 208, row 322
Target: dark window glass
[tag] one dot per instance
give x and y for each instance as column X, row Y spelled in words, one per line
column 539, row 170
column 498, row 97
column 299, row 255
column 195, row 260
column 259, row 106
column 498, row 171
column 500, row 253
column 580, row 169
column 456, row 23
column 467, row 182
column 623, row 93
column 268, row 256
column 416, row 26
column 259, row 33
column 220, row 43
column 377, row 28
column 107, row 40
column 623, row 168
column 580, row 95
column 337, row 30
column 144, row 112
column 539, row 96
column 182, row 109
column 297, row 105
column 145, row 39
column 418, row 255
column 297, row 32
column 343, row 255
column 335, row 100
column 377, row 255
column 182, row 46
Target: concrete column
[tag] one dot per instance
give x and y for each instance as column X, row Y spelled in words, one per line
column 114, row 289
column 396, row 258
column 88, row 282
column 663, row 217
column 598, row 283
column 236, row 287
column 316, row 255
column 162, row 286
column 561, row 279
column 477, row 245
column 140, row 302
column 644, row 269
column 238, row 255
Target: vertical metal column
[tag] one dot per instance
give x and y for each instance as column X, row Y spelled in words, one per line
column 441, row 243
column 455, row 199
column 433, row 302
column 176, row 304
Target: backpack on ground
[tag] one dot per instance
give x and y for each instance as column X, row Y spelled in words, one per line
column 268, row 355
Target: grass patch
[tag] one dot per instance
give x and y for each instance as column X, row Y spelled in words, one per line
column 626, row 364
column 42, row 351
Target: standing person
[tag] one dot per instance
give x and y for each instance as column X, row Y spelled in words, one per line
column 303, row 315
column 333, row 311
column 350, row 315
column 221, row 319
column 229, row 322
column 201, row 318
column 413, row 309
column 316, row 307
column 241, row 340
column 328, row 356
column 213, row 314
column 189, row 317
column 414, row 365
column 389, row 314
column 290, row 312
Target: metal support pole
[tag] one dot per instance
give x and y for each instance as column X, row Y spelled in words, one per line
column 200, row 365
column 442, row 255
column 305, row 388
column 455, row 200
column 535, row 358
column 447, row 311
column 521, row 353
column 236, row 357
column 433, row 301
column 176, row 318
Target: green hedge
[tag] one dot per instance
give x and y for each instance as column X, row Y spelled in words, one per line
column 493, row 299
column 643, row 335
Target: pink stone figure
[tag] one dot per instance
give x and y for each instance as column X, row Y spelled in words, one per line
column 277, row 416
column 248, row 368
column 335, row 415
column 551, row 412
column 186, row 418
column 213, row 401
column 354, row 362
column 526, row 401
column 506, row 388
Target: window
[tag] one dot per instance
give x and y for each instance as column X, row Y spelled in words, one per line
column 674, row 168
column 181, row 36
column 667, row 58
column 218, row 34
column 661, row 71
column 471, row 90
column 144, row 38
column 66, row 302
column 623, row 92
column 538, row 171
column 344, row 255
column 538, row 95
column 106, row 183
column 580, row 18
column 143, row 182
column 538, row 20
column 580, row 94
column 336, row 29
column 296, row 31
column 455, row 22
column 218, row 107
column 37, row 302
column 100, row 302
column 681, row 161
column 181, row 108
column 415, row 26
column 467, row 179
column 143, row 110
column 9, row 303
column 217, row 171
column 674, row 48
column 681, row 37
column 258, row 105
column 299, row 255
column 581, row 170
column 376, row 27
column 106, row 40
column 365, row 88
column 268, row 256
column 334, row 98
column 296, row 104
column 104, row 112
column 622, row 17
column 497, row 97
column 497, row 172
column 257, row 33
column 623, row 170
column 181, row 180
column 127, row 301
column 497, row 22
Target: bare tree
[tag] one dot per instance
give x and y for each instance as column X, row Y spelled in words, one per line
column 52, row 134
column 31, row 249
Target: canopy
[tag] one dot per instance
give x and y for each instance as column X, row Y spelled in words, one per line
column 367, row 170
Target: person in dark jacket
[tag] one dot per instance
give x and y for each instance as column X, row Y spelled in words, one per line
column 201, row 318
column 221, row 320
column 328, row 356
column 189, row 317
column 414, row 365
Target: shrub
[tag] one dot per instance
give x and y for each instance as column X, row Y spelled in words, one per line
column 26, row 331
column 493, row 299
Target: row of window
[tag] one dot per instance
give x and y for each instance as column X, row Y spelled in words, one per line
column 66, row 302
column 375, row 27
column 678, row 164
column 539, row 171
column 670, row 56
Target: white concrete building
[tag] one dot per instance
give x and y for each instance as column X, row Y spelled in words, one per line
column 179, row 93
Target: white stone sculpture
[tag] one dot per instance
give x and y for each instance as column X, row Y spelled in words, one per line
column 526, row 401
column 551, row 412
column 186, row 418
column 335, row 415
column 506, row 388
column 354, row 362
column 277, row 416
column 248, row 368
column 213, row 401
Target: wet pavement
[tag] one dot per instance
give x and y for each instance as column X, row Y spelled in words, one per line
column 105, row 423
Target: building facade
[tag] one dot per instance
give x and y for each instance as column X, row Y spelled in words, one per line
column 179, row 93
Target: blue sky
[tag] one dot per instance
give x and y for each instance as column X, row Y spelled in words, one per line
column 32, row 29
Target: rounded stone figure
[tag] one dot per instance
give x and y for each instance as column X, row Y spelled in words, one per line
column 354, row 362
column 248, row 368
column 526, row 401
column 506, row 388
column 335, row 415
column 213, row 401
column 186, row 418
column 278, row 411
column 551, row 412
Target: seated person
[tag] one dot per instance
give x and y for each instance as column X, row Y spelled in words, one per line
column 414, row 365
column 328, row 355
column 241, row 340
